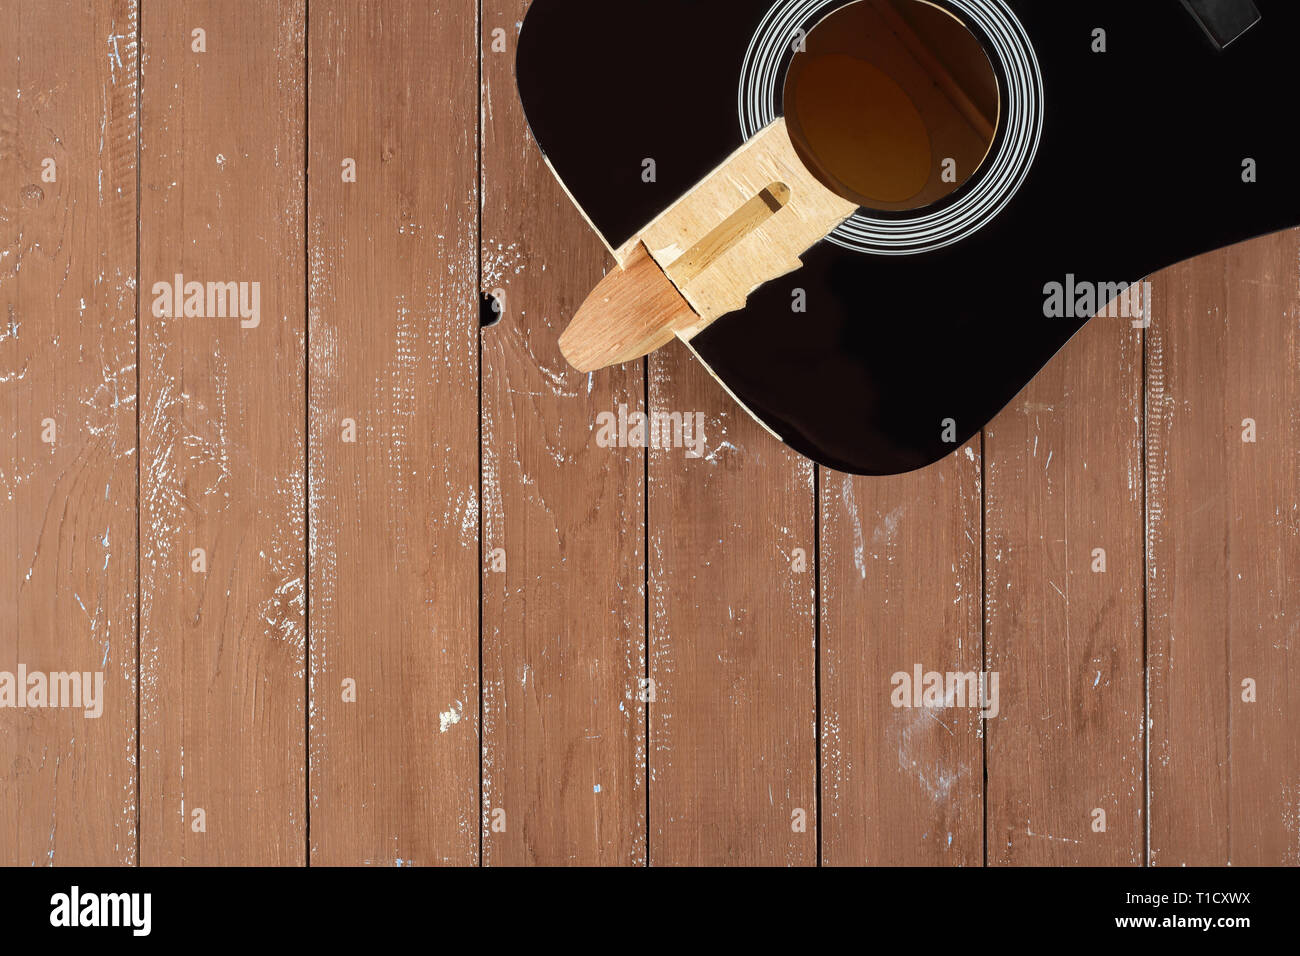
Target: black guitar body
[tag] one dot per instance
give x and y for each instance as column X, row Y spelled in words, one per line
column 1108, row 167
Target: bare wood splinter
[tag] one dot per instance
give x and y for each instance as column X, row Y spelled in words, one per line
column 743, row 225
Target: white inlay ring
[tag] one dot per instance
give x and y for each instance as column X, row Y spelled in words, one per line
column 1000, row 175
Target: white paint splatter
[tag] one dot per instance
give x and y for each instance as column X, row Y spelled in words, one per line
column 449, row 718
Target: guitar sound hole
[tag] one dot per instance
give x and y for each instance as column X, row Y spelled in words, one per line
column 892, row 104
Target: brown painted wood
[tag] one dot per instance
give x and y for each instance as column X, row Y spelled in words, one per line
column 1063, row 478
column 1264, row 573
column 563, row 623
column 900, row 573
column 67, row 355
column 222, row 444
column 731, row 732
column 733, row 726
column 1223, row 571
column 393, row 334
column 12, row 747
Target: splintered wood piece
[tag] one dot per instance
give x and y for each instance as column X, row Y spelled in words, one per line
column 631, row 312
column 766, row 251
column 734, row 228
column 744, row 224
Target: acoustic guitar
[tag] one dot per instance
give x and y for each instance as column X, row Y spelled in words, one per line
column 875, row 221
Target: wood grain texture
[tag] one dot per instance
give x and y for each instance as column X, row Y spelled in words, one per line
column 13, row 826
column 1224, row 556
column 374, row 283
column 1264, row 573
column 1063, row 482
column 221, row 431
column 771, row 248
column 631, row 312
column 393, row 335
column 67, row 363
column 733, row 725
column 900, row 573
column 563, row 572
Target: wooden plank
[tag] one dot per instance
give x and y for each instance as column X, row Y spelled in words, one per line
column 1224, row 557
column 67, row 397
column 1187, row 443
column 900, row 575
column 12, row 373
column 393, row 338
column 733, row 722
column 563, row 574
column 1264, row 548
column 1063, row 499
column 222, row 447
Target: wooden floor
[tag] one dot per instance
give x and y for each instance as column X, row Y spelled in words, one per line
column 365, row 589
